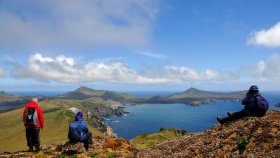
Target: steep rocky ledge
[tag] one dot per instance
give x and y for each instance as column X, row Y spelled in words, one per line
column 248, row 137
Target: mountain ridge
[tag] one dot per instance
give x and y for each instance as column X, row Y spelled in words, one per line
column 87, row 93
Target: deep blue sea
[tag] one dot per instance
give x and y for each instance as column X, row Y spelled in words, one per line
column 149, row 118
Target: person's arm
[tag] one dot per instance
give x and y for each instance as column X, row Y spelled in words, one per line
column 85, row 127
column 23, row 114
column 40, row 117
column 247, row 99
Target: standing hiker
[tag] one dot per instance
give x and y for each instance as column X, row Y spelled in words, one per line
column 33, row 120
column 255, row 105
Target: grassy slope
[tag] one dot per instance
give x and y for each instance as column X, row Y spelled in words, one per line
column 57, row 118
column 149, row 140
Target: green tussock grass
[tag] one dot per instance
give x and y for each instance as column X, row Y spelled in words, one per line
column 57, row 118
column 149, row 140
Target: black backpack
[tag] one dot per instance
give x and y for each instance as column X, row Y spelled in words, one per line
column 262, row 103
column 31, row 117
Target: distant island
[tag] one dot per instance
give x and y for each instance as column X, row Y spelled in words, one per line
column 277, row 104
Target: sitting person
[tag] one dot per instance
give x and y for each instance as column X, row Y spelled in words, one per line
column 78, row 131
column 255, row 105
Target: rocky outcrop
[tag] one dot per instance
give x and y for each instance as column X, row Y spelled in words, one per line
column 109, row 132
column 119, row 111
column 255, row 137
column 72, row 148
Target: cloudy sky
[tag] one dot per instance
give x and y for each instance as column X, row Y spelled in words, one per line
column 139, row 45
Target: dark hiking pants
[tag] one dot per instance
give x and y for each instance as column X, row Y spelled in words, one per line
column 241, row 114
column 87, row 140
column 32, row 137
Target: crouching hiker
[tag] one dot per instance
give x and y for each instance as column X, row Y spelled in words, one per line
column 255, row 105
column 33, row 120
column 78, row 131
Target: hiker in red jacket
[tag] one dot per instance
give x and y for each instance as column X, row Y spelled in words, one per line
column 33, row 120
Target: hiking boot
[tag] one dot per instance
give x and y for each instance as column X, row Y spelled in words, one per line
column 30, row 149
column 37, row 148
column 229, row 114
column 88, row 146
column 220, row 120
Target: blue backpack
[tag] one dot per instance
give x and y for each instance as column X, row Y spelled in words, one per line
column 262, row 103
column 76, row 130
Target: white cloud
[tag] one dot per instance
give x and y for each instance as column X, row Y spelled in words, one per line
column 151, row 54
column 187, row 74
column 64, row 69
column 2, row 72
column 267, row 37
column 76, row 24
column 268, row 69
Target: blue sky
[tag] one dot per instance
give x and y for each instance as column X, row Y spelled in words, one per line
column 140, row 45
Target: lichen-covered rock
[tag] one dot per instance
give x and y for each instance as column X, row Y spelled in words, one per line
column 262, row 135
column 72, row 148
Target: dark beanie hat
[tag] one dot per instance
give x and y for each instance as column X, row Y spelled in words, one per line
column 80, row 114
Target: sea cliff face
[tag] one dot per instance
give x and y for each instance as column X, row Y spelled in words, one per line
column 247, row 137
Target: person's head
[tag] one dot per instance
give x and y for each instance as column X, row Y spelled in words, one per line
column 35, row 100
column 254, row 89
column 79, row 115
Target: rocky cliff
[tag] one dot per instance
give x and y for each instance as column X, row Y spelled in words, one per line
column 248, row 137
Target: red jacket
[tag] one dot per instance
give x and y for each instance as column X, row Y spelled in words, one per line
column 40, row 115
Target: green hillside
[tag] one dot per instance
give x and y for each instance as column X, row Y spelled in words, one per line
column 8, row 99
column 144, row 141
column 84, row 93
column 57, row 118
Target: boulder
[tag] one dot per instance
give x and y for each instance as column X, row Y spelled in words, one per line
column 73, row 148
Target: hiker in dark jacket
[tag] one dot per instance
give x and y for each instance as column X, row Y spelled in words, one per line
column 255, row 105
column 78, row 131
column 33, row 120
